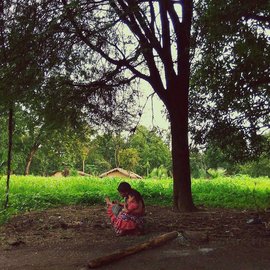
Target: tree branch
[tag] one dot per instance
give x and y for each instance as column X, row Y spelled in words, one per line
column 118, row 63
column 166, row 40
column 177, row 29
column 146, row 48
column 153, row 18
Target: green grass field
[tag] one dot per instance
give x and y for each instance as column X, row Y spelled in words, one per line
column 29, row 193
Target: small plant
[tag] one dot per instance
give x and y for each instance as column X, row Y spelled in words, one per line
column 159, row 173
column 73, row 172
column 216, row 173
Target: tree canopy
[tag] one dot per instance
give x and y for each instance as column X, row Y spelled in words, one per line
column 230, row 75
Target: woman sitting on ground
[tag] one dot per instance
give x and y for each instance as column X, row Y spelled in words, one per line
column 127, row 217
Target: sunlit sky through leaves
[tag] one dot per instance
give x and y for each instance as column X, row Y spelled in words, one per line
column 154, row 113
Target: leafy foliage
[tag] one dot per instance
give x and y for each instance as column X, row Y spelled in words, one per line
column 159, row 173
column 152, row 150
column 230, row 76
column 128, row 158
column 256, row 168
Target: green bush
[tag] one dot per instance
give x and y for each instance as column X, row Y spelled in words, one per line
column 159, row 173
column 215, row 173
column 260, row 167
column 73, row 172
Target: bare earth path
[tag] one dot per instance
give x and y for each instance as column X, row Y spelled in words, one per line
column 69, row 237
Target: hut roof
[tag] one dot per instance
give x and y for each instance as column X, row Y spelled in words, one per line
column 124, row 172
column 67, row 173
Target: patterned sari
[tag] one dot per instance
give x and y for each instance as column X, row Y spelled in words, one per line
column 129, row 221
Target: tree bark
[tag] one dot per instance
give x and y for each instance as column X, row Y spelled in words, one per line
column 178, row 111
column 83, row 165
column 30, row 158
column 10, row 135
column 178, row 107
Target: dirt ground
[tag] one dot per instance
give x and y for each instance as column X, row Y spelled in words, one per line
column 69, row 237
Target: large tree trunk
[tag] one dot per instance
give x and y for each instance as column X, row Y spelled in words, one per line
column 177, row 105
column 178, row 110
column 182, row 195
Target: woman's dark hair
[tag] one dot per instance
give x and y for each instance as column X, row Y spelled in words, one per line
column 136, row 194
column 124, row 187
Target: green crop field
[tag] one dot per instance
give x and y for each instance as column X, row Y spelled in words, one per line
column 29, row 193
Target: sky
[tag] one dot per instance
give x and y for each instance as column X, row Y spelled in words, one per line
column 153, row 113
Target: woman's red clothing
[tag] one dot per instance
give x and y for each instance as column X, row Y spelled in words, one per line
column 128, row 220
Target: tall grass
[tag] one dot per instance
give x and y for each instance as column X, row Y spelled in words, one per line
column 29, row 193
column 240, row 192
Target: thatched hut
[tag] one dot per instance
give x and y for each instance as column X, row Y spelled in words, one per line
column 67, row 173
column 119, row 172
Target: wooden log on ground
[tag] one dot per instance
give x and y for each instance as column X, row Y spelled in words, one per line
column 156, row 241
column 196, row 236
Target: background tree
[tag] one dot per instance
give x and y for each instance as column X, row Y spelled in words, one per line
column 128, row 158
column 230, row 76
column 261, row 165
column 108, row 146
column 213, row 159
column 152, row 150
column 84, row 145
column 3, row 143
column 197, row 163
column 84, row 153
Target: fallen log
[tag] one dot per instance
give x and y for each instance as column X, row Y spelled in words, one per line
column 156, row 241
column 196, row 236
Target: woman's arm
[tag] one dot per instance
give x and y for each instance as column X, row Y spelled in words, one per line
column 131, row 205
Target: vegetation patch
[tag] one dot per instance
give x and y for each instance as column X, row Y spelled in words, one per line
column 28, row 193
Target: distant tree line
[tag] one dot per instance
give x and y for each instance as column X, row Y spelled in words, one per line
column 40, row 150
